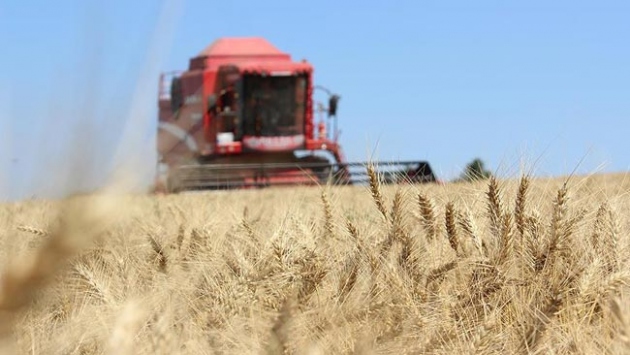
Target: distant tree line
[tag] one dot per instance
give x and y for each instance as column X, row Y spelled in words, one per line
column 474, row 171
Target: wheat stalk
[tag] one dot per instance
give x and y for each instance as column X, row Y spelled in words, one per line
column 521, row 205
column 160, row 255
column 451, row 229
column 469, row 227
column 33, row 230
column 279, row 339
column 375, row 189
column 328, row 215
column 126, row 326
column 427, row 216
column 495, row 207
column 79, row 224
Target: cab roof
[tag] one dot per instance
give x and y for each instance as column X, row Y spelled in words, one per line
column 248, row 53
column 239, row 47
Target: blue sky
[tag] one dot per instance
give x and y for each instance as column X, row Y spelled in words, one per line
column 445, row 81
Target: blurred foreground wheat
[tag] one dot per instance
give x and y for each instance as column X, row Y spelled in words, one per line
column 510, row 267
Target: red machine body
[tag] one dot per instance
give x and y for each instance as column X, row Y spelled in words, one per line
column 241, row 115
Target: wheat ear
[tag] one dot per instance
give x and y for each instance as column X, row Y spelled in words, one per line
column 427, row 216
column 451, row 229
column 375, row 189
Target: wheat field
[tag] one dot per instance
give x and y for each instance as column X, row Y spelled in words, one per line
column 518, row 266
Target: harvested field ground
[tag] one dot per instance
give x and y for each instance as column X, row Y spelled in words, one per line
column 506, row 267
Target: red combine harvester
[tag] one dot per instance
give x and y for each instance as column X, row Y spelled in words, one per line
column 243, row 116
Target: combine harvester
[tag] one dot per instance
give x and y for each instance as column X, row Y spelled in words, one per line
column 243, row 116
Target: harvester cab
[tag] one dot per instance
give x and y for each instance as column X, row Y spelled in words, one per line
column 243, row 115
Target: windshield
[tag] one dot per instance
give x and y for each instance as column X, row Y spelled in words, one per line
column 274, row 105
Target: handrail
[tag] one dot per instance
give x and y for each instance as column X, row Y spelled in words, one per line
column 164, row 86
